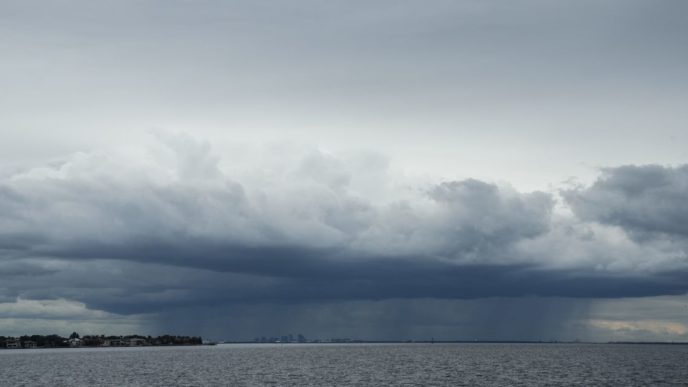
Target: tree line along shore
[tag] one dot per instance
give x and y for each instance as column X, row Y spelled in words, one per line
column 75, row 341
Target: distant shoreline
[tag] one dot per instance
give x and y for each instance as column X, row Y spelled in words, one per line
column 458, row 342
column 132, row 341
column 97, row 341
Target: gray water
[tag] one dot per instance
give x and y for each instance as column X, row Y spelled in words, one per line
column 351, row 364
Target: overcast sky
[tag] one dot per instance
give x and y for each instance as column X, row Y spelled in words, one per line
column 372, row 169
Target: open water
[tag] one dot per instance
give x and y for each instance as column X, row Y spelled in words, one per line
column 351, row 365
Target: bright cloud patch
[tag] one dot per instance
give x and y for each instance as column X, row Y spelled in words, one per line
column 63, row 317
column 651, row 326
column 60, row 309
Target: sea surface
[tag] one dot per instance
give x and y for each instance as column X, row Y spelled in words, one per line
column 351, row 365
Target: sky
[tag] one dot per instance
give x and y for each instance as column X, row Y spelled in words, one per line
column 384, row 170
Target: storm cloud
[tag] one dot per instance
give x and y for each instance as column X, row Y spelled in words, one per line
column 174, row 224
column 646, row 201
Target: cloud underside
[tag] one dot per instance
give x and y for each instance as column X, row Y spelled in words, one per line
column 175, row 224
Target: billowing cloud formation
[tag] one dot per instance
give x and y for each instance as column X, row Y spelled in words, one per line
column 646, row 201
column 136, row 230
column 101, row 206
column 93, row 207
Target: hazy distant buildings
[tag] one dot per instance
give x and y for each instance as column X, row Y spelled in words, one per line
column 281, row 339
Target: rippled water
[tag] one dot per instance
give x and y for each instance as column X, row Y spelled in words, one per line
column 351, row 364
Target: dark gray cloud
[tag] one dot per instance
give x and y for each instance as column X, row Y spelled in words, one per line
column 646, row 201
